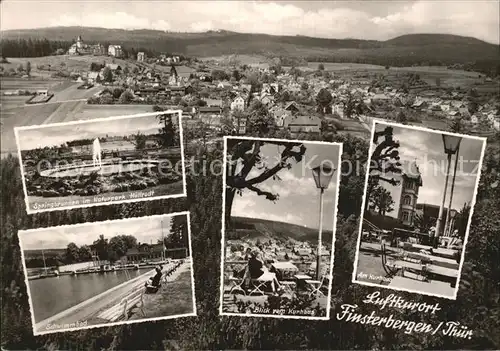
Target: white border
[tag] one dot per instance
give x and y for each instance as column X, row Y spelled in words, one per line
column 33, row 324
column 473, row 203
column 26, row 197
column 334, row 230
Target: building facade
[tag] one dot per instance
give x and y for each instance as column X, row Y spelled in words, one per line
column 238, row 104
column 81, row 48
column 141, row 56
column 410, row 184
column 115, row 51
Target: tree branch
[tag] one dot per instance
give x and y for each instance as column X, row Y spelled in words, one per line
column 268, row 195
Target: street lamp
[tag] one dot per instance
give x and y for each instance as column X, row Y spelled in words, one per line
column 453, row 215
column 451, row 144
column 447, row 222
column 322, row 177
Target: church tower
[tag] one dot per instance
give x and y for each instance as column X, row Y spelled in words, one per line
column 79, row 42
column 410, row 184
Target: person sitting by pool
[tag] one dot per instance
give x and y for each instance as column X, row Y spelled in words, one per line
column 155, row 281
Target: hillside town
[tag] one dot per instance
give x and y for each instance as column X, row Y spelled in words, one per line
column 229, row 96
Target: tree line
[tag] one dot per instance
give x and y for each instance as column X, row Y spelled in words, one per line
column 33, row 47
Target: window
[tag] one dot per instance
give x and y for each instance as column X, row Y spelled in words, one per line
column 410, row 185
column 407, row 200
column 406, row 216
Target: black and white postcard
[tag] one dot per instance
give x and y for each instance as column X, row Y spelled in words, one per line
column 280, row 204
column 102, row 161
column 107, row 273
column 419, row 198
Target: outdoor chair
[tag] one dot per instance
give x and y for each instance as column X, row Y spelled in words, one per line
column 237, row 284
column 257, row 287
column 388, row 265
column 316, row 286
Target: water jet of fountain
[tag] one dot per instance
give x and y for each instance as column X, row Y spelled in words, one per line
column 96, row 151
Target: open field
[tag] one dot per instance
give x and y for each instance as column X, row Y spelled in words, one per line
column 63, row 90
column 64, row 62
column 182, row 71
column 240, row 59
column 429, row 74
column 17, row 83
column 22, row 116
column 56, row 113
column 102, row 111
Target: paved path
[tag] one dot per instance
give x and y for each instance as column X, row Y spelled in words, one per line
column 53, row 102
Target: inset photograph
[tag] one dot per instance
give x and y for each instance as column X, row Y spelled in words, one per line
column 102, row 161
column 419, row 198
column 280, row 206
column 107, row 273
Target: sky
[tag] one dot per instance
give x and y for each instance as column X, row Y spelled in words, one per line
column 378, row 20
column 427, row 150
column 298, row 201
column 146, row 230
column 59, row 134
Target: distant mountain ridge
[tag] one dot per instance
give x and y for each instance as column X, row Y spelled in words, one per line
column 262, row 229
column 410, row 49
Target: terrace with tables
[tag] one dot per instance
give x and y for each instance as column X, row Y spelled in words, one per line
column 412, row 262
column 279, row 278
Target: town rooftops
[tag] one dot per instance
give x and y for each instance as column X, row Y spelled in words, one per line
column 210, row 109
column 113, row 66
column 213, row 102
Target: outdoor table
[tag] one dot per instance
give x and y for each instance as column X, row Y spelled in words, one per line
column 447, row 253
column 436, row 260
column 301, row 280
column 447, row 272
column 429, row 269
column 434, row 287
column 261, row 282
column 285, row 270
column 422, row 247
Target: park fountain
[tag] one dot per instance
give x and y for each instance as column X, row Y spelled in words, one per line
column 96, row 153
column 109, row 167
column 103, row 167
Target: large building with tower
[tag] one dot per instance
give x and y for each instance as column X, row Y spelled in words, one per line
column 81, row 48
column 410, row 184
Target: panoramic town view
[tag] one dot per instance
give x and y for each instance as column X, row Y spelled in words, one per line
column 101, row 161
column 279, row 218
column 301, row 72
column 420, row 195
column 102, row 273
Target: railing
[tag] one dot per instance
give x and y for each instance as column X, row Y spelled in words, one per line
column 371, row 225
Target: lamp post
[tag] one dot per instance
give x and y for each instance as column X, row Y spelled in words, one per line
column 322, row 177
column 451, row 144
column 453, row 215
column 447, row 222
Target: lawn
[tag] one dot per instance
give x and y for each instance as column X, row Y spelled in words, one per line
column 22, row 116
column 174, row 298
column 66, row 62
column 101, row 111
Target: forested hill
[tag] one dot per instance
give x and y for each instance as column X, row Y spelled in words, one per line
column 261, row 229
column 419, row 49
